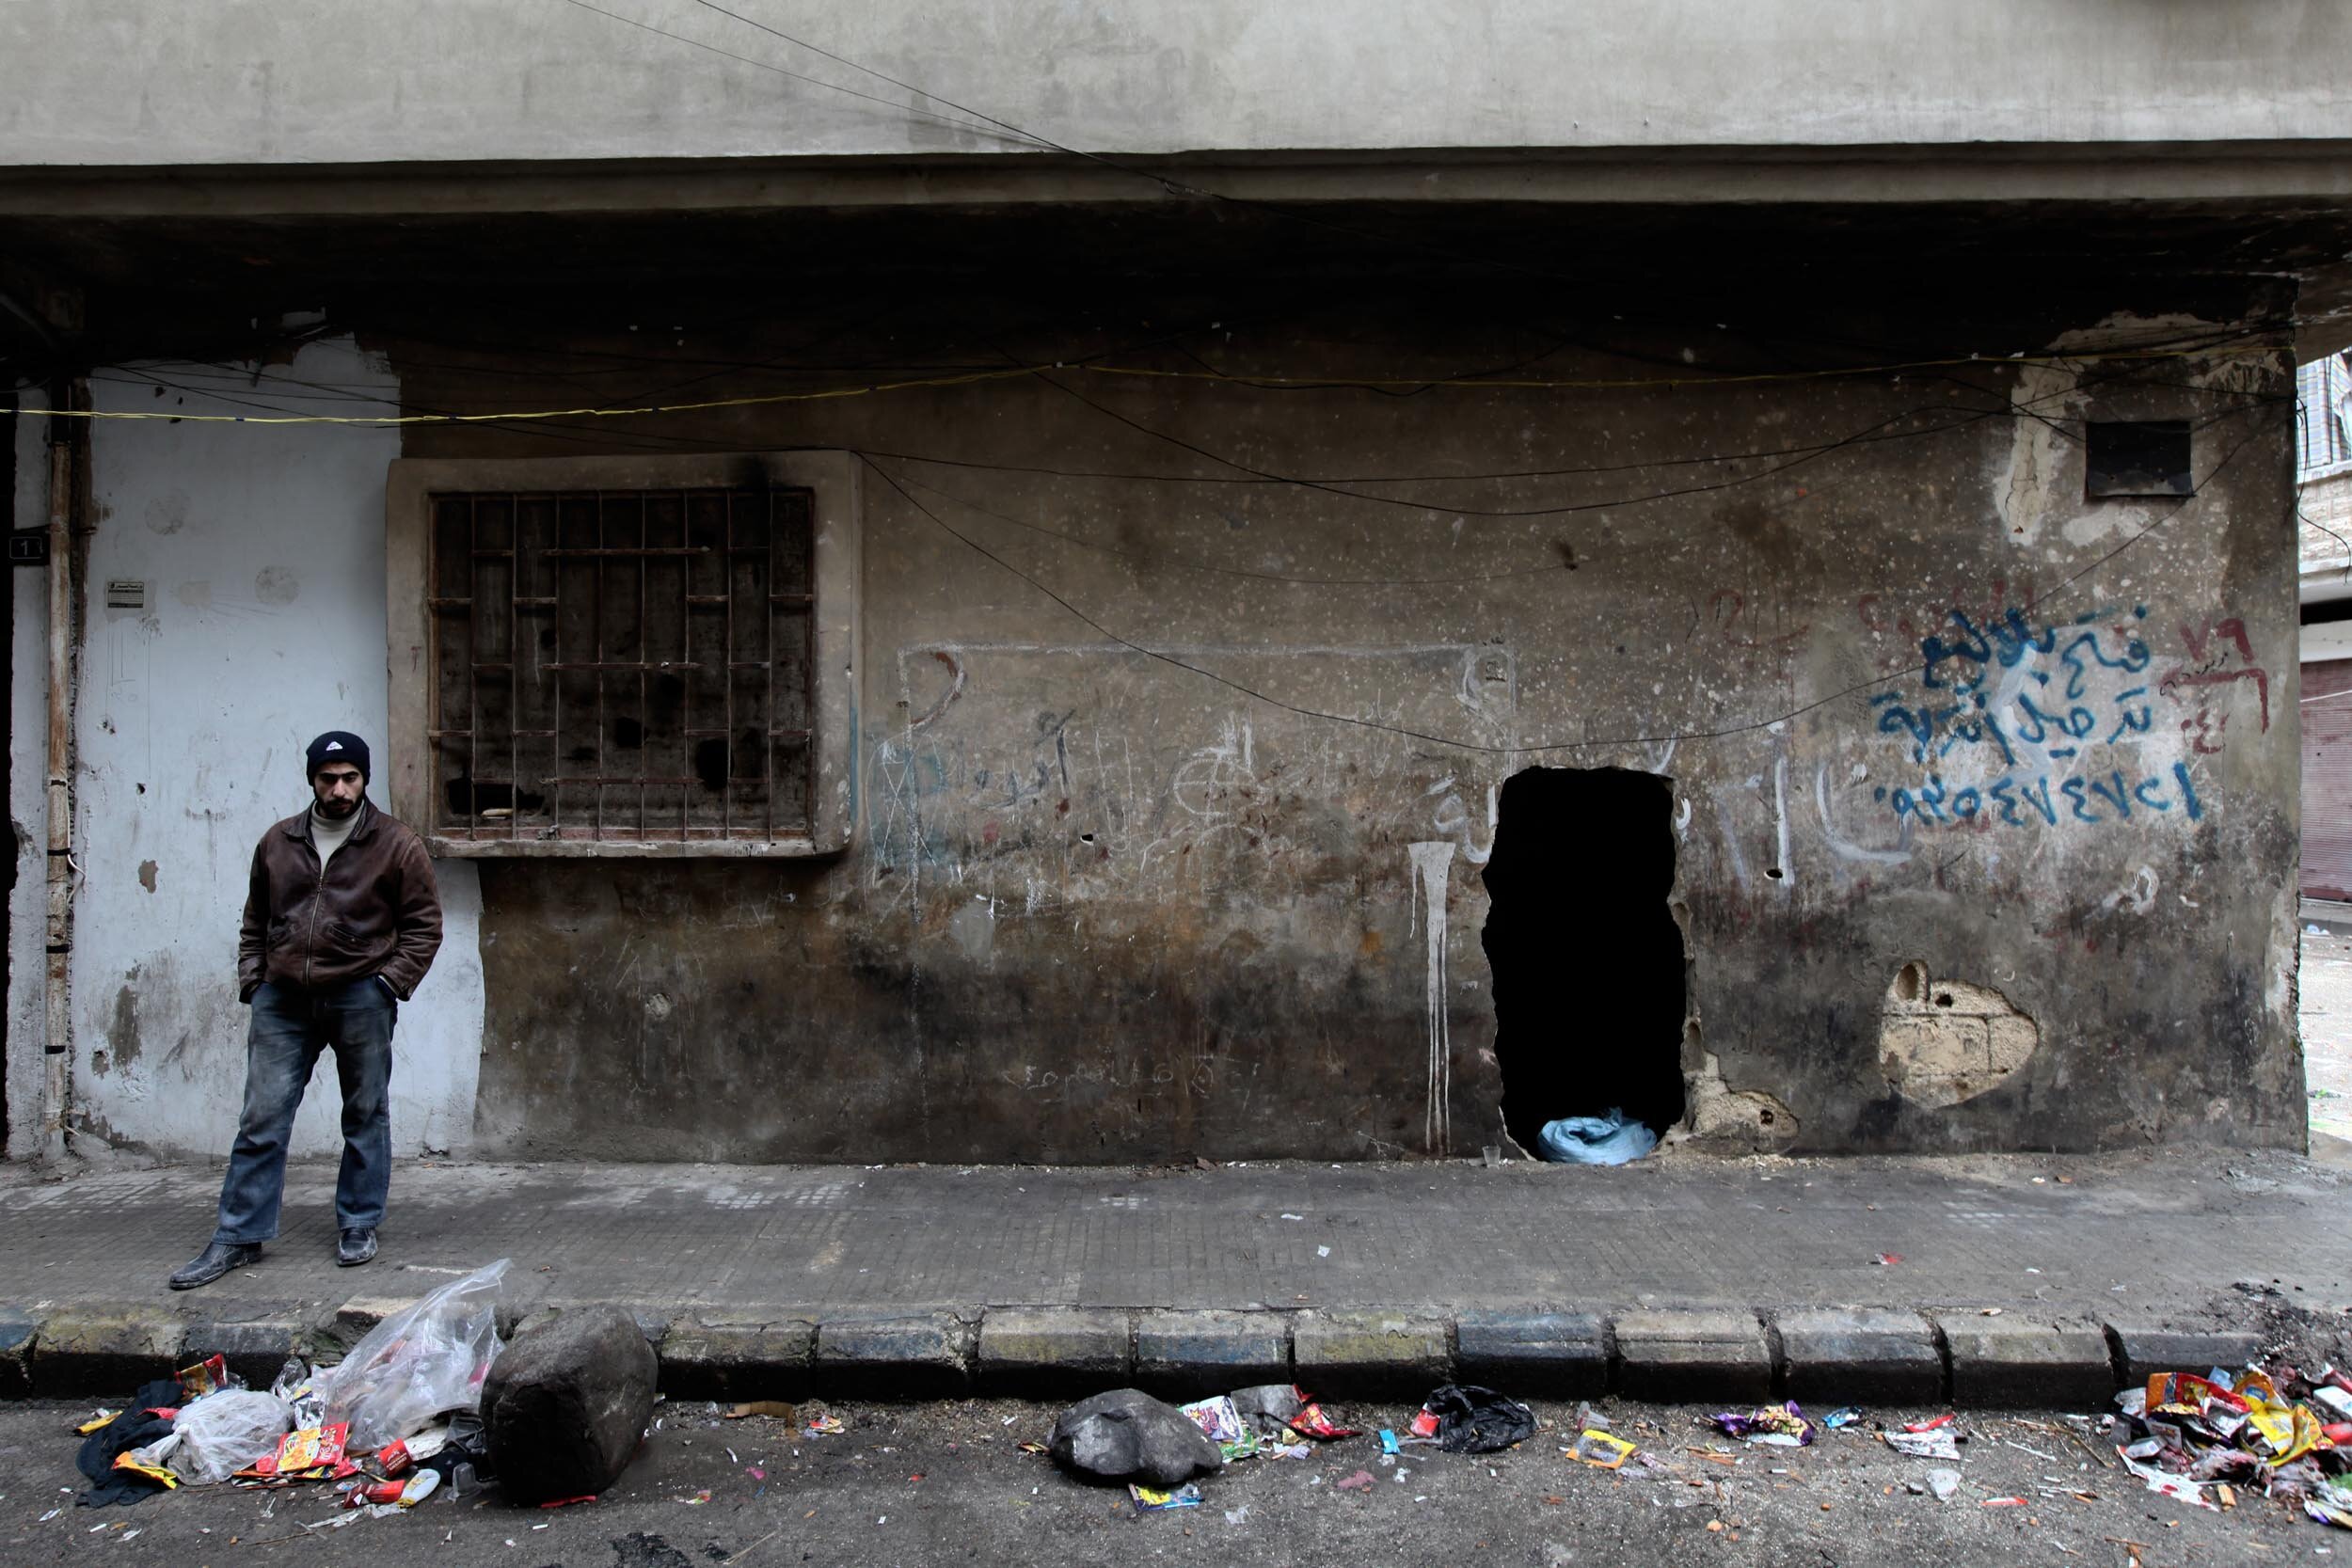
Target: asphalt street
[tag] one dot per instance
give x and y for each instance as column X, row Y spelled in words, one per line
column 938, row 1484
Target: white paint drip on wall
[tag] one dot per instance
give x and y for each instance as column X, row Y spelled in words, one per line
column 1433, row 865
column 1780, row 821
column 1845, row 848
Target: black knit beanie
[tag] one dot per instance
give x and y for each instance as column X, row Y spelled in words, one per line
column 337, row 746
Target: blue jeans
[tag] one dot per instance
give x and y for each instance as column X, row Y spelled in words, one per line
column 289, row 1030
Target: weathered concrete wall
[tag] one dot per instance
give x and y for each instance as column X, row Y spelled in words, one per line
column 239, row 81
column 28, row 806
column 1103, row 906
column 262, row 553
column 1190, row 862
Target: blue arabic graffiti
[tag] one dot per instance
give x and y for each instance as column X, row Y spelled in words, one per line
column 2052, row 704
column 2012, row 801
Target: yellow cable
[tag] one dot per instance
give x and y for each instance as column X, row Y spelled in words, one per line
column 970, row 377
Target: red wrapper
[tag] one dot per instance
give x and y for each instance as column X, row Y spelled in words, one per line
column 1314, row 1422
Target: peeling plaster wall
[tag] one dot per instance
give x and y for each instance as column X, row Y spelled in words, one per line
column 1101, row 907
column 261, row 552
column 28, row 805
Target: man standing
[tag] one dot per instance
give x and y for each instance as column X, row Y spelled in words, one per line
column 342, row 920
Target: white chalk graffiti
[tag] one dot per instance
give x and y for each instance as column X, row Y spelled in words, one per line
column 1433, row 865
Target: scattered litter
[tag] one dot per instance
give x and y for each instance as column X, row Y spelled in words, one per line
column 1943, row 1483
column 776, row 1408
column 697, row 1500
column 2002, row 1502
column 1887, row 1259
column 1610, row 1140
column 1941, row 1422
column 1313, row 1421
column 420, row 1362
column 1360, row 1482
column 1923, row 1445
column 1323, row 1252
column 1149, row 1500
column 1466, row 1418
column 1222, row 1424
column 1838, row 1419
column 1778, row 1426
column 1601, row 1449
column 823, row 1426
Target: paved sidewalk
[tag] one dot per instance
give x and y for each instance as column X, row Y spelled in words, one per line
column 771, row 1274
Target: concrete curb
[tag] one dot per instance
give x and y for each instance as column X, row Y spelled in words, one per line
column 1710, row 1353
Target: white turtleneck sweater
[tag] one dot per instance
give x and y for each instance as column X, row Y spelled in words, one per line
column 329, row 834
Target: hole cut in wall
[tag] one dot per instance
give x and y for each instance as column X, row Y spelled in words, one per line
column 1587, row 959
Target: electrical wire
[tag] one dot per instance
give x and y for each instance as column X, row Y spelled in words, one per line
column 1540, row 746
column 908, row 109
column 975, row 377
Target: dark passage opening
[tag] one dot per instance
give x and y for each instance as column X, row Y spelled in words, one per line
column 1587, row 959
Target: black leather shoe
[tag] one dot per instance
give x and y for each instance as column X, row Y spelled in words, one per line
column 213, row 1262
column 354, row 1248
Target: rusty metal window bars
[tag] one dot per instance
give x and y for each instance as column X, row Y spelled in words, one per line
column 622, row 667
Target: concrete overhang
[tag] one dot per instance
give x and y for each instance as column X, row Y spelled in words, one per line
column 2296, row 173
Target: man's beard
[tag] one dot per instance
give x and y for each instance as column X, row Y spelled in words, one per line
column 338, row 808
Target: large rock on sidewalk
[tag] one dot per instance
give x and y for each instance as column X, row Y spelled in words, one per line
column 565, row 1403
column 1126, row 1433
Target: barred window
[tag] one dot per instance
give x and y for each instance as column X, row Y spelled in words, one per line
column 630, row 666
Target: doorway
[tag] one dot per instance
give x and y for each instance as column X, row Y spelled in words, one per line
column 1587, row 959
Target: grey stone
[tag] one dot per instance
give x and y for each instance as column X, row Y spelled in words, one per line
column 1369, row 1354
column 1694, row 1353
column 2143, row 1347
column 1194, row 1353
column 1554, row 1354
column 1944, row 1483
column 100, row 1350
column 17, row 1333
column 1860, row 1356
column 1126, row 1433
column 766, row 1360
column 1054, row 1351
column 567, row 1402
column 2017, row 1363
column 919, row 1356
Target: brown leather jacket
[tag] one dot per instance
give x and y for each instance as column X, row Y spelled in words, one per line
column 373, row 911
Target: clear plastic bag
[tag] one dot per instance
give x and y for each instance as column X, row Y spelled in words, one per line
column 223, row 1432
column 419, row 1362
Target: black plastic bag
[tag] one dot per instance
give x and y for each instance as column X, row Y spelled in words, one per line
column 1471, row 1420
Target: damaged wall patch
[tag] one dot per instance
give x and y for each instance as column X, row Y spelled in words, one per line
column 1943, row 1041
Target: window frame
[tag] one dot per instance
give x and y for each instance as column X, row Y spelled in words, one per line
column 407, row 773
